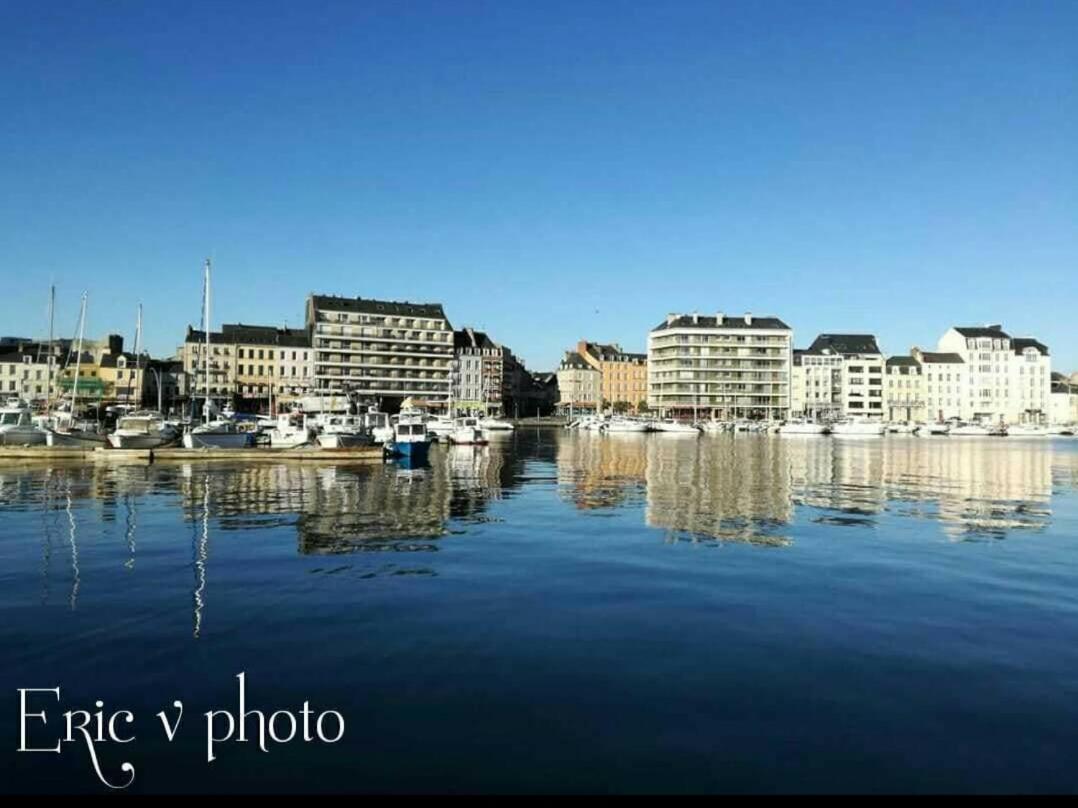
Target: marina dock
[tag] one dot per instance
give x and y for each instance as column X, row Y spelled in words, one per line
column 15, row 455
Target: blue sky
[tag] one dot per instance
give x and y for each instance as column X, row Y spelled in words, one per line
column 549, row 171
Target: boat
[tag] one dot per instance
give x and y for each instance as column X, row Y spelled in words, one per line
column 672, row 427
column 1030, row 431
column 17, row 427
column 289, row 431
column 971, row 431
column 218, row 434
column 623, row 425
column 440, row 427
column 935, row 428
column 803, row 428
column 714, row 427
column 466, row 430
column 147, row 430
column 377, row 425
column 1061, row 429
column 410, row 438
column 495, row 425
column 903, row 428
column 858, row 428
column 73, row 434
column 342, row 432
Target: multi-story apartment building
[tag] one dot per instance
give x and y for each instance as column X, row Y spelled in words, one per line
column 381, row 351
column 219, row 359
column 580, row 385
column 720, row 366
column 944, row 382
column 624, row 374
column 1007, row 379
column 270, row 362
column 21, row 376
column 905, row 390
column 478, row 378
column 841, row 375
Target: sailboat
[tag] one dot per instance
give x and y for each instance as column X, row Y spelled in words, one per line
column 66, row 431
column 217, row 433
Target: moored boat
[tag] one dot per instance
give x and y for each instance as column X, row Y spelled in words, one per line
column 220, row 434
column 858, row 428
column 410, row 438
column 467, row 431
column 17, row 427
column 803, row 428
column 142, row 431
column 495, row 425
column 672, row 427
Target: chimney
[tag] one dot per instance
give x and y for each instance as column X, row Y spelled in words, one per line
column 670, row 318
column 748, row 318
column 719, row 318
column 695, row 318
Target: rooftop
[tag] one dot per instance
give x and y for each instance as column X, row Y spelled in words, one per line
column 941, row 358
column 720, row 321
column 902, row 360
column 1019, row 344
column 982, row 331
column 466, row 338
column 366, row 306
column 844, row 344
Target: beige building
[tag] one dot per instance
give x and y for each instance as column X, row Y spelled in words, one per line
column 904, row 397
column 624, row 375
column 720, row 366
column 944, row 384
column 580, row 385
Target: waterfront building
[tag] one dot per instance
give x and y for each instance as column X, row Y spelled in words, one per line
column 624, row 375
column 944, row 384
column 1007, row 379
column 905, row 390
column 579, row 385
column 720, row 366
column 381, row 351
column 478, row 381
column 222, row 368
column 839, row 376
column 123, row 378
column 271, row 362
column 1063, row 400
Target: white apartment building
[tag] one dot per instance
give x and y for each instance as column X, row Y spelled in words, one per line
column 1007, row 379
column 720, row 366
column 839, row 376
column 381, row 350
column 478, row 373
column 904, row 396
column 580, row 386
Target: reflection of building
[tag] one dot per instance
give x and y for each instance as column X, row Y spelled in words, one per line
column 721, row 367
column 601, row 471
column 731, row 490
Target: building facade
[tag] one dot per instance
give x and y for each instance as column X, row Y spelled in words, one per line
column 218, row 361
column 944, row 384
column 1007, row 379
column 381, row 350
column 839, row 376
column 580, row 385
column 905, row 390
column 624, row 375
column 477, row 382
column 720, row 366
column 270, row 363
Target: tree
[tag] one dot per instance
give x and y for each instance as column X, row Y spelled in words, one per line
column 642, row 406
column 621, row 407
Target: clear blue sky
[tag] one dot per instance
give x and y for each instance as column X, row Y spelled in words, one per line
column 547, row 170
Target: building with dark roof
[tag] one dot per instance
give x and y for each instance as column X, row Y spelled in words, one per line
column 624, row 375
column 839, row 376
column 579, row 385
column 381, row 351
column 720, row 366
column 479, row 382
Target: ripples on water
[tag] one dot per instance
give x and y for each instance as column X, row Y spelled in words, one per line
column 551, row 581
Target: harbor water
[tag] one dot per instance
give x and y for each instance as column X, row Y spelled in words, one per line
column 561, row 612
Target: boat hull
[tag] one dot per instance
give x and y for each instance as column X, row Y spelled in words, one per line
column 218, row 440
column 342, row 440
column 84, row 440
column 23, row 437
column 416, row 451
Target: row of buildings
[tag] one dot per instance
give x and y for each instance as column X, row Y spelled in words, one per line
column 696, row 365
column 735, row 367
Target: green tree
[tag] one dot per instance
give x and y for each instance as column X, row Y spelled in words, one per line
column 621, row 407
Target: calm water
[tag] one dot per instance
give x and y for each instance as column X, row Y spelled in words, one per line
column 564, row 613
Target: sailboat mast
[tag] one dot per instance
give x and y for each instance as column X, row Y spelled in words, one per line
column 52, row 314
column 206, row 315
column 78, row 356
column 138, row 352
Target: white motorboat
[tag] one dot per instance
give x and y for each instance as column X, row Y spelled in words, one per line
column 467, row 431
column 803, row 428
column 1061, row 429
column 342, row 432
column 671, row 427
column 902, row 428
column 142, row 431
column 1029, row 431
column 495, row 425
column 219, row 434
column 858, row 428
column 377, row 425
column 17, row 427
column 624, row 425
column 440, row 427
column 935, row 428
column 974, row 431
column 289, row 431
column 714, row 427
